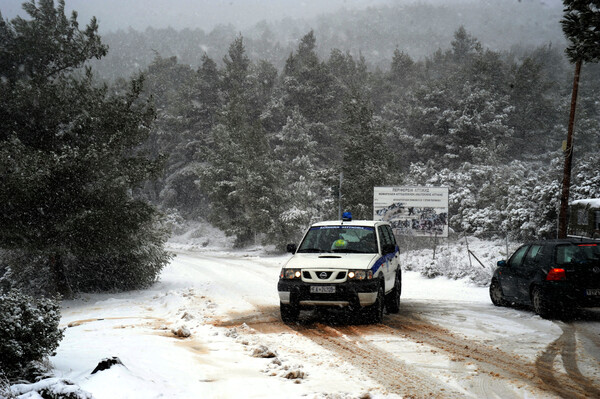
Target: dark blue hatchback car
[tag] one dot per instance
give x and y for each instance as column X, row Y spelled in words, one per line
column 552, row 276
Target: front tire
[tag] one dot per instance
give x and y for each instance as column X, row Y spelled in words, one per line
column 289, row 313
column 375, row 311
column 392, row 300
column 496, row 294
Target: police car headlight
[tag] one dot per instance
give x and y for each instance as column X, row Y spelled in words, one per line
column 360, row 274
column 290, row 274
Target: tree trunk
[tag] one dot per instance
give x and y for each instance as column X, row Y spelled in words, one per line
column 566, row 186
column 60, row 277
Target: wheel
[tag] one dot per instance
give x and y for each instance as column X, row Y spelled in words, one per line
column 496, row 294
column 375, row 311
column 392, row 300
column 540, row 303
column 289, row 313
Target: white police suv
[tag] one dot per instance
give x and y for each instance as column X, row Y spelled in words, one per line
column 345, row 263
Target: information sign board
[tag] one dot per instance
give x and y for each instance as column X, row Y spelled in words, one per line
column 411, row 210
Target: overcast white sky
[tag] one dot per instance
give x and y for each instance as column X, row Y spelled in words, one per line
column 205, row 14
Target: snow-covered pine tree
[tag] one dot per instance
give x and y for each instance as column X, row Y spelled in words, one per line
column 302, row 196
column 308, row 83
column 402, row 69
column 239, row 174
column 367, row 162
column 533, row 117
column 68, row 159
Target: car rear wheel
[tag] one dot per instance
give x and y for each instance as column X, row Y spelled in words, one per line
column 540, row 303
column 496, row 294
column 392, row 300
column 289, row 313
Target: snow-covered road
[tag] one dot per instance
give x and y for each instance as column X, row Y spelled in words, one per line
column 447, row 341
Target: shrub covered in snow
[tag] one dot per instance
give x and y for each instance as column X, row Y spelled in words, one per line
column 50, row 388
column 28, row 331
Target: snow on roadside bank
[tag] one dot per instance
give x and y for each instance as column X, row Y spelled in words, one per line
column 453, row 259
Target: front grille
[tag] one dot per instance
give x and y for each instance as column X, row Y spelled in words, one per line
column 323, row 275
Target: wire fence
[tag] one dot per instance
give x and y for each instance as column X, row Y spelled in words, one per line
column 456, row 256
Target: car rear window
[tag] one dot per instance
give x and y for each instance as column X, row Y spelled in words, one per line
column 566, row 254
column 592, row 251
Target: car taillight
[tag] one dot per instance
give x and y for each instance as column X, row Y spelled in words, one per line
column 556, row 274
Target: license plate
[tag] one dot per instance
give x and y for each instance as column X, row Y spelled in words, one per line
column 592, row 292
column 317, row 289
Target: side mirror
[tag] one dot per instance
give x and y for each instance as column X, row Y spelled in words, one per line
column 291, row 248
column 388, row 249
column 502, row 263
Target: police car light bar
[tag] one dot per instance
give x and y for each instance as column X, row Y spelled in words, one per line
column 347, row 216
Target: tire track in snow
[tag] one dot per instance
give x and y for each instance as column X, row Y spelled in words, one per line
column 496, row 362
column 391, row 373
column 566, row 346
column 350, row 344
column 491, row 364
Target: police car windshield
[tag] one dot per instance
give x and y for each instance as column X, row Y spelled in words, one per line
column 344, row 239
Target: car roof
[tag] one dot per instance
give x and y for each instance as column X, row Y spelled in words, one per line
column 566, row 241
column 367, row 223
column 586, row 240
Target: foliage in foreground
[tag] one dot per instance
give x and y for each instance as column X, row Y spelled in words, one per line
column 28, row 332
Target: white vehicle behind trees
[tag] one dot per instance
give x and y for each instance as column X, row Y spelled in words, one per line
column 343, row 264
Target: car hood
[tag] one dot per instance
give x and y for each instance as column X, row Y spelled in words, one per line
column 331, row 261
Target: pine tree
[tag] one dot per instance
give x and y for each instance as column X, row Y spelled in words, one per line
column 185, row 116
column 402, row 68
column 308, row 83
column 239, row 177
column 68, row 159
column 302, row 196
column 366, row 159
column 530, row 95
column 464, row 46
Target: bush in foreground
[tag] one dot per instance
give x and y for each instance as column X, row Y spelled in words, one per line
column 28, row 332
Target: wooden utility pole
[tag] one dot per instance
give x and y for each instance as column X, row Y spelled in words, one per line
column 566, row 184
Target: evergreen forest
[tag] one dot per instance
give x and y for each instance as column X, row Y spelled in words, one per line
column 258, row 151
